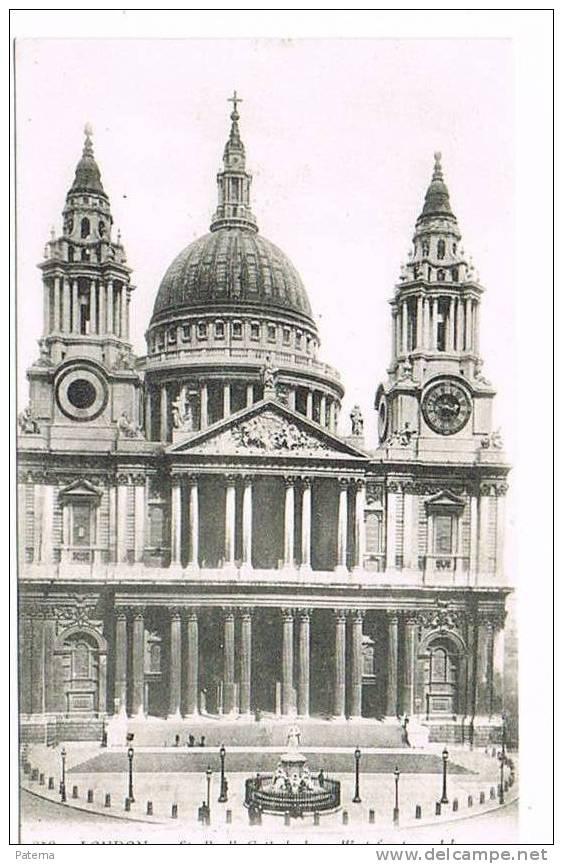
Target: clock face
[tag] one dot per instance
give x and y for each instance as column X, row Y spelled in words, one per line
column 382, row 419
column 446, row 407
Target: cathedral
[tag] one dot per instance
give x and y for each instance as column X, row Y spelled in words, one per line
column 201, row 535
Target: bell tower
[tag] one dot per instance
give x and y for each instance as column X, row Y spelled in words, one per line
column 86, row 372
column 436, row 392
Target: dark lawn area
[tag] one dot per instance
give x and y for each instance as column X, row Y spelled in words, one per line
column 177, row 761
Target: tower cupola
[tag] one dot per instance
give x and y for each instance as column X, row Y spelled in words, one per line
column 233, row 182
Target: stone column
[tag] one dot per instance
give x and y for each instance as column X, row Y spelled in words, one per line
column 203, row 418
column 473, row 537
column 192, row 665
column 339, row 709
column 360, row 526
column 332, row 416
column 49, row 637
column 230, row 517
column 468, row 340
column 309, row 408
column 322, row 410
column 103, row 314
column 46, row 306
column 409, row 663
column 476, row 328
column 356, row 676
column 392, row 664
column 93, row 327
column 483, row 545
column 497, row 695
column 229, row 663
column 163, row 413
column 419, row 341
column 393, row 493
column 75, row 307
column 289, row 523
column 56, row 304
column 46, row 549
column 110, row 322
column 304, row 662
column 123, row 311
column 140, row 519
column 138, row 664
column 193, row 523
column 120, row 706
column 306, row 524
column 122, row 501
column 434, row 345
column 112, row 528
column 287, row 663
column 247, row 523
column 291, row 396
column 459, row 324
column 226, row 399
column 485, row 646
column 175, row 664
column 37, row 664
column 404, row 328
column 245, row 661
column 410, row 545
column 66, row 326
column 342, row 535
column 499, row 539
column 249, row 395
column 148, row 414
column 176, row 521
column 450, row 326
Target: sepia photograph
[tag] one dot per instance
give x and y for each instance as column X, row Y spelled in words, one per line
column 267, row 581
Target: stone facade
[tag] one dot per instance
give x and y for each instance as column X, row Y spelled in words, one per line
column 195, row 535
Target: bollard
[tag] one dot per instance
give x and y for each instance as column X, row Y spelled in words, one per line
column 455, row 805
column 492, row 793
column 371, row 817
column 481, row 797
column 149, row 808
column 35, row 773
column 286, row 818
column 344, row 817
column 316, row 818
column 418, row 812
column 127, row 805
column 438, row 810
column 90, row 796
column 395, row 815
column 41, row 779
column 75, row 791
column 229, row 817
column 107, row 800
column 470, row 800
column 51, row 783
column 174, row 811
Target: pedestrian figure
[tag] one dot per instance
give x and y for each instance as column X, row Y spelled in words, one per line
column 321, row 777
column 176, row 740
column 202, row 741
column 191, row 740
column 406, row 731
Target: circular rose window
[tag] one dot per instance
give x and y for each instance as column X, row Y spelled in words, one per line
column 82, row 393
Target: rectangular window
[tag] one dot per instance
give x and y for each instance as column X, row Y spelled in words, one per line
column 219, row 329
column 156, row 525
column 255, row 331
column 286, row 336
column 172, row 336
column 186, row 332
column 272, row 332
column 298, row 339
column 81, row 524
column 443, row 535
column 202, row 330
column 237, row 330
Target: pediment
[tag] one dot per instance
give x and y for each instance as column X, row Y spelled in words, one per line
column 267, row 429
column 445, row 499
column 81, row 489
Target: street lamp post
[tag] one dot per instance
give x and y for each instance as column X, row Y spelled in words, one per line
column 502, row 759
column 208, row 774
column 63, row 775
column 356, row 799
column 444, row 798
column 223, row 787
column 397, row 774
column 130, row 754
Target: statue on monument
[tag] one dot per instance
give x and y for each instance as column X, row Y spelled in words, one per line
column 269, row 379
column 126, row 428
column 357, row 421
column 27, row 422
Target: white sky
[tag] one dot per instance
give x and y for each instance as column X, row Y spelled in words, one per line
column 339, row 135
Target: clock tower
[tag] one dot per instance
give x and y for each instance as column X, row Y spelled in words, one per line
column 436, row 398
column 85, row 383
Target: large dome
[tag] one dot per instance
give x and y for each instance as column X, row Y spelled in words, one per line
column 232, row 267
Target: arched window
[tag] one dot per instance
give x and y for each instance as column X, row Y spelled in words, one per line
column 441, row 248
column 441, row 275
column 455, row 274
column 85, row 228
column 70, row 253
column 425, row 247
